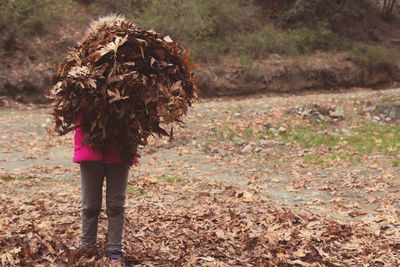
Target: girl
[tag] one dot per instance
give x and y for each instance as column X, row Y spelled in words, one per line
column 95, row 165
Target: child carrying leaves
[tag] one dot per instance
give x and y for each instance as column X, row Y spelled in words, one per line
column 115, row 89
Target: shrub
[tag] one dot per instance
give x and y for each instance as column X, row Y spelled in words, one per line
column 103, row 7
column 259, row 44
column 304, row 39
column 203, row 25
column 21, row 19
column 374, row 56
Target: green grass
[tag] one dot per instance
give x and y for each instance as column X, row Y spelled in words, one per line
column 313, row 159
column 209, row 115
column 50, row 180
column 131, row 191
column 368, row 138
column 344, row 157
column 307, row 138
column 174, row 179
column 248, row 133
column 222, row 133
column 7, row 179
column 396, row 163
column 375, row 137
column 23, row 178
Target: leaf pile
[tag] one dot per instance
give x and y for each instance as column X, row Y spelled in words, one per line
column 125, row 81
column 192, row 224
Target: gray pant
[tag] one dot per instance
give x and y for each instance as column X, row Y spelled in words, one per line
column 92, row 176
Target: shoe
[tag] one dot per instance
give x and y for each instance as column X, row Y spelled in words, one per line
column 114, row 256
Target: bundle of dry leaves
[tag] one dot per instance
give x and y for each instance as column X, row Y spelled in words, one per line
column 125, row 81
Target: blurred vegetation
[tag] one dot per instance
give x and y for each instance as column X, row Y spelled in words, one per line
column 374, row 56
column 246, row 29
column 20, row 20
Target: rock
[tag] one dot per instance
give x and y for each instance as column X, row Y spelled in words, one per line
column 384, row 225
column 247, row 149
column 281, row 130
column 393, row 113
column 345, row 131
column 376, row 118
column 303, row 113
column 223, row 153
column 237, row 114
column 239, row 140
column 319, row 116
column 263, row 142
column 258, row 149
column 372, row 36
column 395, row 41
column 336, row 113
column 272, row 130
column 388, row 119
column 268, row 126
column 275, row 57
column 370, row 109
column 298, row 198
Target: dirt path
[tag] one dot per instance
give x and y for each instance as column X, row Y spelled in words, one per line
column 230, row 140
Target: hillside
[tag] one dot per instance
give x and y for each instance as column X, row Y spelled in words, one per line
column 242, row 46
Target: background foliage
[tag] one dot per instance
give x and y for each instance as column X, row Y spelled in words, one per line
column 247, row 29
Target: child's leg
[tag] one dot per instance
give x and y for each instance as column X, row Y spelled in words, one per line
column 92, row 176
column 117, row 179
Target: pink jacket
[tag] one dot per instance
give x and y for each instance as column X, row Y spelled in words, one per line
column 87, row 153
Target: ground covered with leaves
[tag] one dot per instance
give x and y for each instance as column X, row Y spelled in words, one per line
column 291, row 181
column 192, row 223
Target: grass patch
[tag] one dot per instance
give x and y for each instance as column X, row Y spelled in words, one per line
column 7, row 179
column 307, row 138
column 344, row 157
column 223, row 133
column 396, row 163
column 248, row 133
column 50, row 180
column 23, row 178
column 375, row 137
column 174, row 179
column 209, row 115
column 131, row 191
column 313, row 159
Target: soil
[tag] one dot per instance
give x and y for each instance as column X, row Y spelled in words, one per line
column 331, row 72
column 348, row 191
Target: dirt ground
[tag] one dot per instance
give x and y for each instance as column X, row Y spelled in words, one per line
column 197, row 152
column 261, row 146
